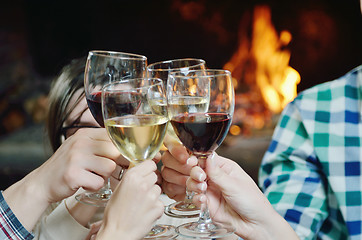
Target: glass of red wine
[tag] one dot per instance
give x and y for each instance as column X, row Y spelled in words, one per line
column 139, row 131
column 202, row 128
column 184, row 208
column 104, row 67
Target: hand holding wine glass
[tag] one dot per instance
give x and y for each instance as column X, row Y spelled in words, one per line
column 202, row 128
column 133, row 216
column 184, row 208
column 233, row 196
column 136, row 118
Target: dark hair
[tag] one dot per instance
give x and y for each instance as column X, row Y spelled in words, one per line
column 64, row 86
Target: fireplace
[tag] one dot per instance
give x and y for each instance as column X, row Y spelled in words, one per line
column 273, row 48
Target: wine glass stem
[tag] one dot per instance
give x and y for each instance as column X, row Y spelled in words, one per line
column 106, row 190
column 204, row 218
column 188, row 197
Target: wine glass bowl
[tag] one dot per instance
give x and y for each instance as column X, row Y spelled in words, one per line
column 201, row 129
column 184, row 208
column 139, row 131
column 103, row 67
column 162, row 69
column 136, row 118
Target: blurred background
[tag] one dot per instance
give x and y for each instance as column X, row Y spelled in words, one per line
column 266, row 45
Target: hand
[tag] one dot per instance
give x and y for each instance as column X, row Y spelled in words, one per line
column 176, row 168
column 85, row 160
column 122, row 166
column 134, row 206
column 234, row 197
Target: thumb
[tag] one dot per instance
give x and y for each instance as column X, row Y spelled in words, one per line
column 216, row 174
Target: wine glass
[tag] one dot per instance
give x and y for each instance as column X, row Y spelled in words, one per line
column 136, row 118
column 202, row 129
column 104, row 67
column 184, row 208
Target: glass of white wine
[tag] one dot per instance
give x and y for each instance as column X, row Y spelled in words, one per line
column 136, row 118
column 184, row 208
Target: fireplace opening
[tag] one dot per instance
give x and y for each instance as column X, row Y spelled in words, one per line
column 274, row 49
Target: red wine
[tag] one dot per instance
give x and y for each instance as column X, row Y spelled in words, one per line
column 94, row 104
column 118, row 104
column 201, row 133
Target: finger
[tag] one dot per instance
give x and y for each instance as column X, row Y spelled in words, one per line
column 195, row 186
column 100, row 165
column 173, row 191
column 120, row 170
column 170, row 141
column 97, row 134
column 157, row 158
column 88, row 181
column 157, row 210
column 147, row 167
column 217, row 175
column 94, row 228
column 156, row 190
column 114, row 183
column 122, row 161
column 151, row 179
column 197, row 174
column 172, row 176
column 177, row 150
column 159, row 178
column 199, row 199
column 169, row 161
column 117, row 175
column 107, row 149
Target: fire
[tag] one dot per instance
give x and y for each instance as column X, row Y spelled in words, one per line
column 261, row 71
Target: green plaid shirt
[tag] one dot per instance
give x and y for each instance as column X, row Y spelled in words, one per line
column 311, row 172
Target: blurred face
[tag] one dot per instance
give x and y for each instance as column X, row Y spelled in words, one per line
column 80, row 117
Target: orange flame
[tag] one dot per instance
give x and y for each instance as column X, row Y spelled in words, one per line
column 274, row 78
column 262, row 63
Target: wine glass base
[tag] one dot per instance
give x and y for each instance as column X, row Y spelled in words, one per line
column 182, row 210
column 93, row 199
column 162, row 232
column 211, row 230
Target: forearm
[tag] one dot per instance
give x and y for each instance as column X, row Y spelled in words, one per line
column 26, row 200
column 59, row 224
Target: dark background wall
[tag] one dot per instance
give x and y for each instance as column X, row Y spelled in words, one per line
column 326, row 34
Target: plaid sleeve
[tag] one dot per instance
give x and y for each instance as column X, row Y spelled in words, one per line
column 10, row 226
column 290, row 176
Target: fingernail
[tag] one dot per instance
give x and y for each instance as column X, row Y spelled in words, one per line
column 202, row 198
column 191, row 161
column 203, row 186
column 200, row 177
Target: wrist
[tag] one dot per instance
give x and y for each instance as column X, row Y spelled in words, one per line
column 273, row 227
column 26, row 200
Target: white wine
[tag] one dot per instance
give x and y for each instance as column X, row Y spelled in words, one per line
column 137, row 137
column 187, row 104
column 158, row 106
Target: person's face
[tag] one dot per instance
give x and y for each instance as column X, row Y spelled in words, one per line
column 80, row 117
